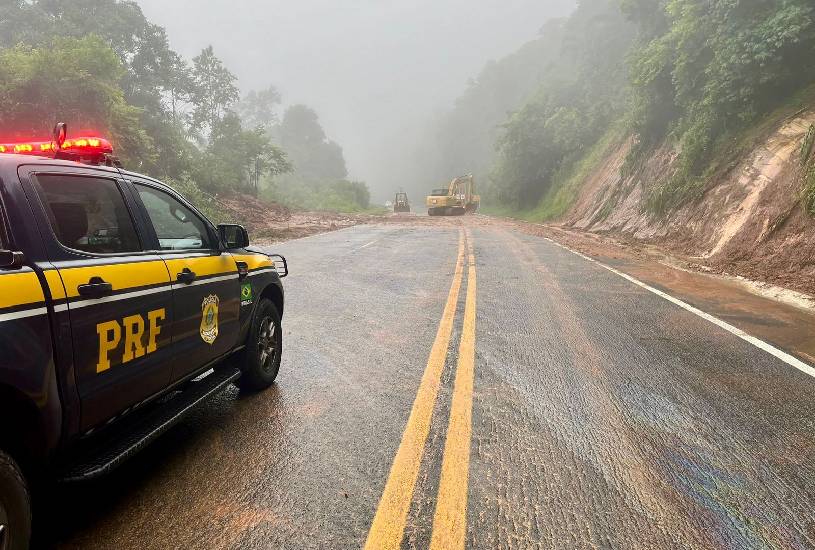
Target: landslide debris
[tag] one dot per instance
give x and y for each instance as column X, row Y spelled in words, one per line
column 749, row 221
column 270, row 222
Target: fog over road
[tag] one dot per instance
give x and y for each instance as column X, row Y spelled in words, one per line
column 378, row 73
column 587, row 412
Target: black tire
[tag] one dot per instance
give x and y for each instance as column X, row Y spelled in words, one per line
column 264, row 348
column 15, row 506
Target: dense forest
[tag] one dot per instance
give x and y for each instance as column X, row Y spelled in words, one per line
column 101, row 65
column 695, row 74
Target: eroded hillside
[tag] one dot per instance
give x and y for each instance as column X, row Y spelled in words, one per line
column 749, row 220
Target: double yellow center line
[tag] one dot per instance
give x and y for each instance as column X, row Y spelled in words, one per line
column 450, row 520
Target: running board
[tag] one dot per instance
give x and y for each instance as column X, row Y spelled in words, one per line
column 120, row 448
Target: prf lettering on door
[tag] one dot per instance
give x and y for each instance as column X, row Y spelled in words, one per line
column 132, row 328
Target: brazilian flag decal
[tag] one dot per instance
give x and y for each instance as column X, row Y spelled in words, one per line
column 246, row 294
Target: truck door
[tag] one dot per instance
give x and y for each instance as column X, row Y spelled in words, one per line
column 119, row 297
column 206, row 287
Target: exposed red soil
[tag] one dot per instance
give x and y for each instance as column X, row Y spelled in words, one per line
column 748, row 222
column 270, row 222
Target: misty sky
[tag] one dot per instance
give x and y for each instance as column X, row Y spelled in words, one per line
column 376, row 71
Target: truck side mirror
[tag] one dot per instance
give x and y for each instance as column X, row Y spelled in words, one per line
column 233, row 236
column 11, row 260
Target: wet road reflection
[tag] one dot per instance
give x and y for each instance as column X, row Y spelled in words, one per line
column 602, row 415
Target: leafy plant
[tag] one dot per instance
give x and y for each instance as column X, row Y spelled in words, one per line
column 808, row 192
column 806, row 145
column 712, row 71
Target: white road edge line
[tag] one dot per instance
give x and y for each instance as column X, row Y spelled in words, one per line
column 761, row 344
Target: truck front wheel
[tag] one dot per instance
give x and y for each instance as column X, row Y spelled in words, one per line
column 263, row 349
column 15, row 506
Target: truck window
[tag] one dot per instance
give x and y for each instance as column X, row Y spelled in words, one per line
column 88, row 214
column 177, row 227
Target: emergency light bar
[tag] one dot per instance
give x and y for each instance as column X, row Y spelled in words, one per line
column 90, row 149
column 82, row 146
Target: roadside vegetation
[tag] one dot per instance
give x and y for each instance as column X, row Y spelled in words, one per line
column 180, row 120
column 699, row 76
column 808, row 171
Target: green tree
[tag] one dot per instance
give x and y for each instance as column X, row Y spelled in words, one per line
column 213, row 92
column 75, row 81
column 142, row 47
column 354, row 191
column 258, row 109
column 114, row 72
column 583, row 91
column 336, row 196
column 313, row 155
column 235, row 159
column 155, row 79
column 22, row 22
column 464, row 138
column 650, row 16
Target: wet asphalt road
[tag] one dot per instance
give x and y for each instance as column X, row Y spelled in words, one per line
column 600, row 416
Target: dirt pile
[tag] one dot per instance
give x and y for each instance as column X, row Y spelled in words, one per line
column 252, row 211
column 748, row 222
column 270, row 222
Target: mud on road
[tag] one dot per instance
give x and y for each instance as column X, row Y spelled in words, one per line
column 781, row 315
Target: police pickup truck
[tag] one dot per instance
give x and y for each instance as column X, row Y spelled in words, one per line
column 121, row 309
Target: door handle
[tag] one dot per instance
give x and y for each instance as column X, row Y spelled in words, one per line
column 96, row 288
column 186, row 276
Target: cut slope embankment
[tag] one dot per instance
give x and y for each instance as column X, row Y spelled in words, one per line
column 748, row 222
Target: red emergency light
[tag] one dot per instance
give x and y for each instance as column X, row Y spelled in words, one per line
column 83, row 146
column 88, row 149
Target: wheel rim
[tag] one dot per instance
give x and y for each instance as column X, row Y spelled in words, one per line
column 4, row 529
column 267, row 344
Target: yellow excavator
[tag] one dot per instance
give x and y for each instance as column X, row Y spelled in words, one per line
column 458, row 199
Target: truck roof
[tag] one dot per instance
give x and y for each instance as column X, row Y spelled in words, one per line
column 10, row 162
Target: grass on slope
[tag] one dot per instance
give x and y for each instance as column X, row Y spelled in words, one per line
column 727, row 153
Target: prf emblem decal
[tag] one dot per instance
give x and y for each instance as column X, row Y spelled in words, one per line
column 140, row 337
column 209, row 319
column 246, row 294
